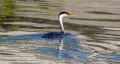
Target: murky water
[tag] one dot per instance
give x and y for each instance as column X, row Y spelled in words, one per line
column 93, row 36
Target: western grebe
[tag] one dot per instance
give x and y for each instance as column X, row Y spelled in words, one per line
column 62, row 31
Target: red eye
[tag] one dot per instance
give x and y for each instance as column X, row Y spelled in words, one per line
column 67, row 13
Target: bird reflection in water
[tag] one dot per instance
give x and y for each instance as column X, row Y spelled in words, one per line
column 60, row 48
column 71, row 51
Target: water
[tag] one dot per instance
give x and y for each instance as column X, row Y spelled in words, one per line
column 93, row 35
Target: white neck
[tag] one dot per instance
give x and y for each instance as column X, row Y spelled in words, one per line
column 61, row 22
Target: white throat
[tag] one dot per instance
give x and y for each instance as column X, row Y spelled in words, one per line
column 61, row 22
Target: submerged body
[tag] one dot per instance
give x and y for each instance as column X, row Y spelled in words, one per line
column 53, row 35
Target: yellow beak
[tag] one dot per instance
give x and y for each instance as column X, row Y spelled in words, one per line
column 72, row 15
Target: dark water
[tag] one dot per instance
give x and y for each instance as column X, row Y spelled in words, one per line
column 92, row 36
column 66, row 48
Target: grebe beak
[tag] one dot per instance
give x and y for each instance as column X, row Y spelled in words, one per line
column 72, row 15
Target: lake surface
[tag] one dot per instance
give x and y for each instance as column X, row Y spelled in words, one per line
column 92, row 37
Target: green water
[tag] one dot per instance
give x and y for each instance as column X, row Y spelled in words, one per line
column 7, row 9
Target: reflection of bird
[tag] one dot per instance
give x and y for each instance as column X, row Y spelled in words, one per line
column 62, row 32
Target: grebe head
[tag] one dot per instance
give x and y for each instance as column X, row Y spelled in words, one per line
column 61, row 15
